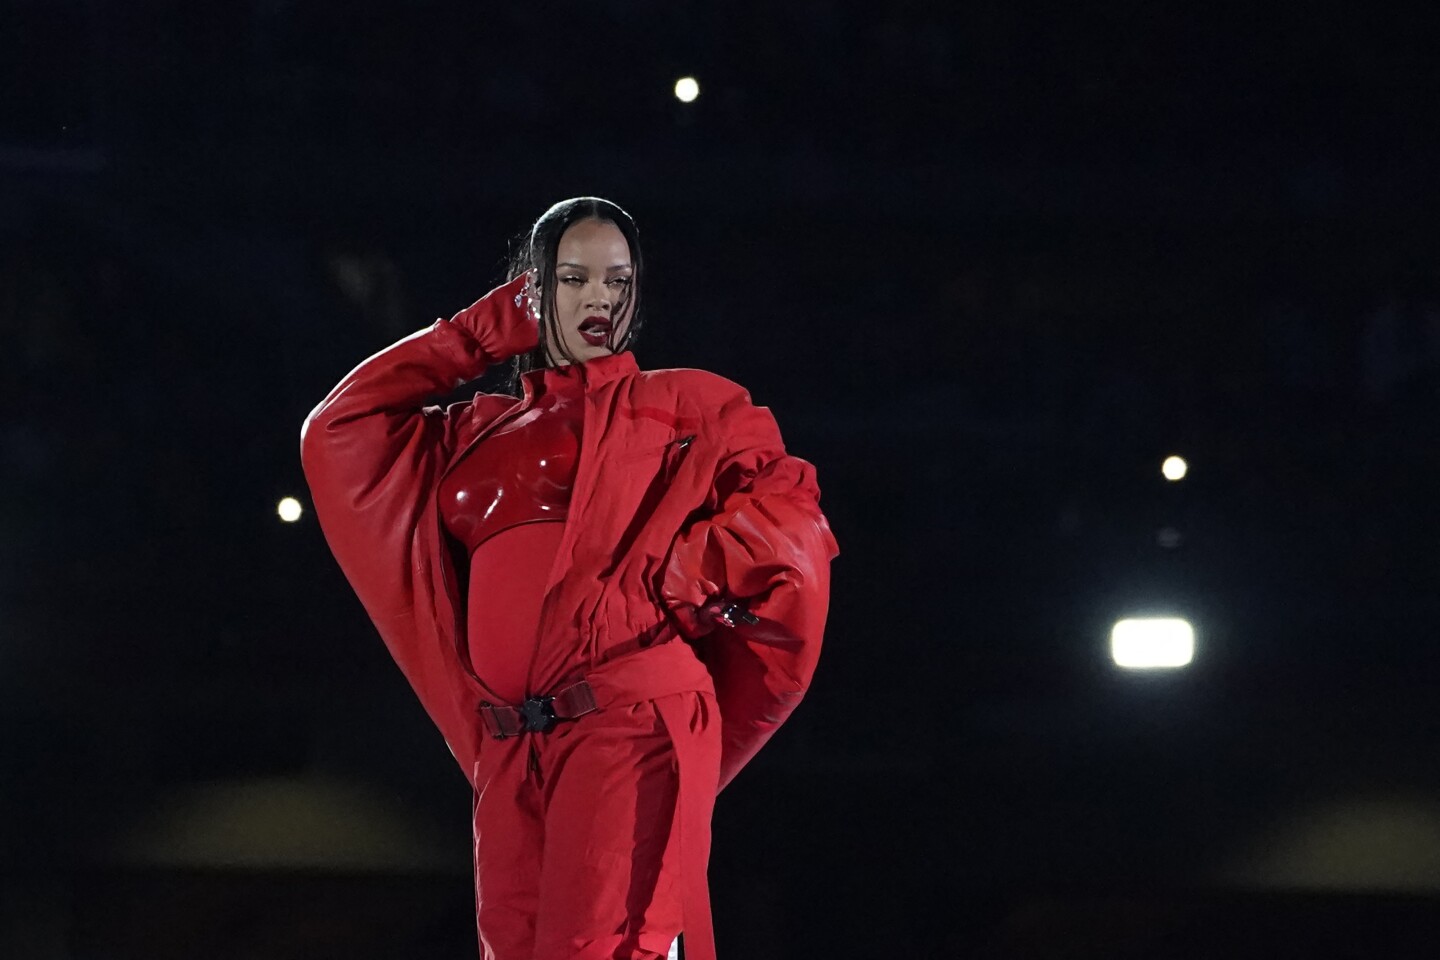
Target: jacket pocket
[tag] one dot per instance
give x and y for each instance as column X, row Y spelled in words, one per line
column 673, row 455
column 668, row 454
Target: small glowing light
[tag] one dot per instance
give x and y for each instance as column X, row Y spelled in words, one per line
column 289, row 509
column 687, row 89
column 1174, row 468
column 1147, row 643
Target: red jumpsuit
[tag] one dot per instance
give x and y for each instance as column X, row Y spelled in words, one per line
column 591, row 838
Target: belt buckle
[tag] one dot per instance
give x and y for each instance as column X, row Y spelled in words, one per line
column 538, row 714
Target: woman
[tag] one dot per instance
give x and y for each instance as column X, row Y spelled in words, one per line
column 579, row 584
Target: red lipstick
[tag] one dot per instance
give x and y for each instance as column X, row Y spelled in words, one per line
column 596, row 330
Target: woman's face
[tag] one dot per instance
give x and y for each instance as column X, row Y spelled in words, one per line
column 593, row 274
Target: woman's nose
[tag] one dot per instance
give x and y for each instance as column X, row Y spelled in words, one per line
column 599, row 296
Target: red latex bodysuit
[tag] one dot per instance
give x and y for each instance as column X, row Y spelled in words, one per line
column 504, row 504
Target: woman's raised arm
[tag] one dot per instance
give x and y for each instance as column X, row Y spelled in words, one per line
column 372, row 447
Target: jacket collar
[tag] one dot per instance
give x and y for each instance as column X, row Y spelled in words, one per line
column 592, row 373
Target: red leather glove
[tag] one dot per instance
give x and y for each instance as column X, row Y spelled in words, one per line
column 503, row 322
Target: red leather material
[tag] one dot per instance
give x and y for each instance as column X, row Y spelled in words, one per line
column 633, row 547
column 522, row 473
column 764, row 541
column 683, row 492
column 373, row 452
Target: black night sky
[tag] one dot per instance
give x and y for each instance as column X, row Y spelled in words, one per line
column 988, row 264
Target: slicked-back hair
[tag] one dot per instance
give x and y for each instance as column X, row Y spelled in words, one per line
column 537, row 250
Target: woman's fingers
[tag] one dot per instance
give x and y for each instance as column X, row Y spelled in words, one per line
column 532, row 294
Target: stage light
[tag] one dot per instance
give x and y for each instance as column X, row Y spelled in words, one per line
column 1149, row 643
column 289, row 509
column 687, row 89
column 1174, row 468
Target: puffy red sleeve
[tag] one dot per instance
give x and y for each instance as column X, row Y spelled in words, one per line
column 372, row 451
column 761, row 540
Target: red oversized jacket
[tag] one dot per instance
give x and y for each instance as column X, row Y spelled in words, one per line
column 684, row 492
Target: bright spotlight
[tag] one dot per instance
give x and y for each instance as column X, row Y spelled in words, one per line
column 1152, row 643
column 687, row 89
column 1174, row 468
column 289, row 509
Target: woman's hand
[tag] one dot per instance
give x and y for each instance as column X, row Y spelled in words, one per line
column 698, row 621
column 503, row 321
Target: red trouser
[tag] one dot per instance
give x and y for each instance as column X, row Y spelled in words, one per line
column 591, row 840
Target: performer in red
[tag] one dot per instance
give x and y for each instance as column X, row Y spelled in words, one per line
column 607, row 593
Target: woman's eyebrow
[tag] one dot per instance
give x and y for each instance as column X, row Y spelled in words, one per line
column 581, row 266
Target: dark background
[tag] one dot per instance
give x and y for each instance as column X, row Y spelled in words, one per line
column 988, row 265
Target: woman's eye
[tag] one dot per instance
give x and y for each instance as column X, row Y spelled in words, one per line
column 569, row 279
column 623, row 281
